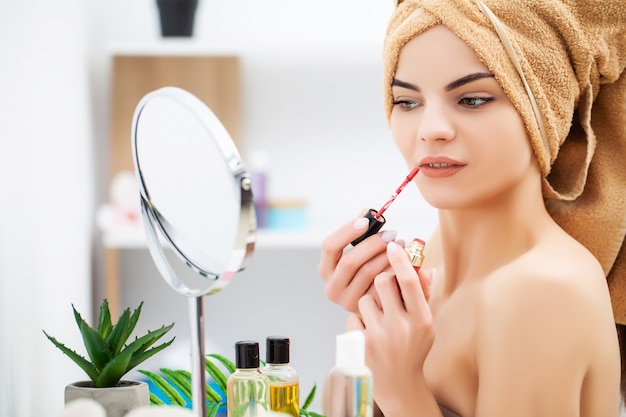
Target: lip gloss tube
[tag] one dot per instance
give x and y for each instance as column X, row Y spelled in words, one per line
column 376, row 222
column 416, row 253
column 376, row 219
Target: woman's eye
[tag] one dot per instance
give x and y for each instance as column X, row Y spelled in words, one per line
column 475, row 101
column 405, row 104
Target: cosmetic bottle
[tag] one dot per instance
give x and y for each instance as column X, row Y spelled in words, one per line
column 247, row 388
column 350, row 381
column 283, row 379
column 416, row 253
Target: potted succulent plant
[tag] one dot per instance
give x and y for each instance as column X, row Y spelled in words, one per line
column 110, row 358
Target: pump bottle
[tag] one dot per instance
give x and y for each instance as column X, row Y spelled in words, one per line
column 247, row 388
column 283, row 379
column 350, row 381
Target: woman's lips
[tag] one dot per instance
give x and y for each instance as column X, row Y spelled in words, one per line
column 439, row 167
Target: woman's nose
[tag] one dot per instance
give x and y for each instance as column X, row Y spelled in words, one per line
column 436, row 123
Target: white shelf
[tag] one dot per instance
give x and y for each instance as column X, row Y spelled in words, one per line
column 172, row 47
column 134, row 238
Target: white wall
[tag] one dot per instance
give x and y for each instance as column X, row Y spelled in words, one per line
column 46, row 194
column 312, row 99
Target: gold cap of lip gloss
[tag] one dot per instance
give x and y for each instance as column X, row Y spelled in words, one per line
column 416, row 252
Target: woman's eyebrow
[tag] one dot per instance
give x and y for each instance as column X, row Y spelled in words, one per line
column 467, row 79
column 404, row 84
column 451, row 86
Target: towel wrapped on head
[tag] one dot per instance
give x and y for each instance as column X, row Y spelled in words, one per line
column 561, row 63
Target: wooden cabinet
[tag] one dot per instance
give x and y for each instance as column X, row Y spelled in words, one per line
column 213, row 78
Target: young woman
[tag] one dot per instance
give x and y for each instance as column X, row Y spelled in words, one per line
column 510, row 315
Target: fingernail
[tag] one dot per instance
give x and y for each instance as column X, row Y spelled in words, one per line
column 388, row 236
column 360, row 223
column 392, row 247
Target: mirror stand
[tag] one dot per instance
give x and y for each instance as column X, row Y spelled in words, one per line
column 198, row 376
column 195, row 309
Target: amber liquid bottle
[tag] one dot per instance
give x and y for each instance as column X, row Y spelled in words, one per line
column 247, row 388
column 283, row 379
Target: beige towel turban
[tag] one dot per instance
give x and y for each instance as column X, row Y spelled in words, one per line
column 561, row 63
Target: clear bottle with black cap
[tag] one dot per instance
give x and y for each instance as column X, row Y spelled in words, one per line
column 284, row 380
column 247, row 388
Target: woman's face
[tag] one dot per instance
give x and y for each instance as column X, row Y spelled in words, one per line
column 452, row 119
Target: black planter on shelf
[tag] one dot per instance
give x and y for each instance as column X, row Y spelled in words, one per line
column 177, row 17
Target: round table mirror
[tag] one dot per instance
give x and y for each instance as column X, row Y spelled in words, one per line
column 196, row 201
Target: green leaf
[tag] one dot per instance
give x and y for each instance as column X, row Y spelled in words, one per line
column 119, row 334
column 308, row 413
column 309, row 398
column 113, row 371
column 212, row 409
column 170, row 393
column 97, row 348
column 228, row 364
column 178, row 380
column 139, row 357
column 85, row 365
column 79, row 319
column 217, row 375
column 144, row 342
column 133, row 321
column 154, row 400
column 212, row 395
column 104, row 320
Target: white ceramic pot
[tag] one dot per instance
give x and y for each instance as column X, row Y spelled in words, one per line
column 117, row 400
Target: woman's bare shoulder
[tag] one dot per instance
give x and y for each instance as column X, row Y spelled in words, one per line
column 546, row 321
column 557, row 288
column 558, row 265
column 557, row 279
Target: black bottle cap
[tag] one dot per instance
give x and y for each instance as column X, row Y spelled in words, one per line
column 277, row 349
column 247, row 354
column 373, row 227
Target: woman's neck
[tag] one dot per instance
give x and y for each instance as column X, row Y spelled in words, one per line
column 476, row 241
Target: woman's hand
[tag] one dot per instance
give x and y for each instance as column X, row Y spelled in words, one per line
column 349, row 273
column 398, row 328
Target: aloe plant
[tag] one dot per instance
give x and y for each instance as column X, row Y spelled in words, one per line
column 175, row 385
column 110, row 355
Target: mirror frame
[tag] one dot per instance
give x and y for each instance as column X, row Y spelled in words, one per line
column 158, row 229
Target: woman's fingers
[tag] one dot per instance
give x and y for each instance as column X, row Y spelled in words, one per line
column 334, row 244
column 426, row 278
column 369, row 310
column 354, row 322
column 350, row 271
column 412, row 293
column 389, row 294
column 348, row 285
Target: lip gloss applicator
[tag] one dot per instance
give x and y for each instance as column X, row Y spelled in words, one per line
column 376, row 219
